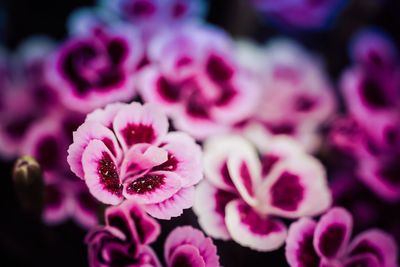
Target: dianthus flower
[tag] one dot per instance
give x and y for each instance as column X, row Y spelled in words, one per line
column 125, row 151
column 193, row 76
column 97, row 67
column 129, row 231
column 247, row 192
column 292, row 78
column 327, row 243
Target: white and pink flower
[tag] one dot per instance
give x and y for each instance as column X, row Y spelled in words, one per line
column 297, row 97
column 248, row 190
column 98, row 67
column 198, row 82
column 327, row 243
column 125, row 151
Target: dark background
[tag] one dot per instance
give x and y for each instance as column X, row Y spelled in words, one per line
column 24, row 241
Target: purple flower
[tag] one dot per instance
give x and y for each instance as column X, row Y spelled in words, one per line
column 186, row 246
column 370, row 90
column 247, row 193
column 97, row 68
column 197, row 81
column 302, row 14
column 327, row 243
column 156, row 13
column 124, row 240
column 125, row 151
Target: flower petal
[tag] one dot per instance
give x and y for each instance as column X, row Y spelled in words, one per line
column 140, row 124
column 187, row 235
column 299, row 249
column 295, row 187
column 82, row 136
column 101, row 173
column 184, row 158
column 211, row 213
column 377, row 243
column 333, row 233
column 366, row 260
column 173, row 206
column 245, row 170
column 106, row 115
column 249, row 229
column 140, row 158
column 216, row 153
column 186, row 255
column 153, row 187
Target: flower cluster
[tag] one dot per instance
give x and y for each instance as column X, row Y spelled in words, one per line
column 125, row 240
column 248, row 192
column 326, row 243
column 370, row 131
column 143, row 99
column 125, row 151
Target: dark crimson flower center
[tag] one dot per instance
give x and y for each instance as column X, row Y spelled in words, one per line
column 138, row 133
column 217, row 69
column 305, row 103
column 287, row 192
column 145, row 184
column 109, row 175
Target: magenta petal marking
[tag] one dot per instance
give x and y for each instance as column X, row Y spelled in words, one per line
column 287, row 192
column 109, row 175
column 168, row 90
column 300, row 250
column 145, row 184
column 186, row 256
column 331, row 240
column 138, row 133
column 218, row 70
column 246, row 178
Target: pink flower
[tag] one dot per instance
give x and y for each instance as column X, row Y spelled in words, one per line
column 297, row 97
column 197, row 81
column 187, row 246
column 97, row 68
column 124, row 240
column 370, row 90
column 327, row 243
column 129, row 231
column 247, row 193
column 125, row 151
